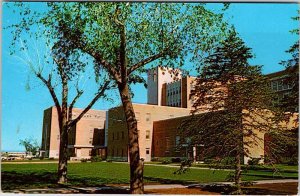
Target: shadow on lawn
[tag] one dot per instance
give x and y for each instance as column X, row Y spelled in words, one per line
column 168, row 181
column 33, row 180
column 13, row 180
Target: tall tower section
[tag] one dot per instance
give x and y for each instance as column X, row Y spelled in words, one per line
column 157, row 77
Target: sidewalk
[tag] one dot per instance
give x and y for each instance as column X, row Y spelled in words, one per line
column 125, row 189
column 178, row 166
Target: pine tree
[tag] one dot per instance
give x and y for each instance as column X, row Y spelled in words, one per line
column 236, row 102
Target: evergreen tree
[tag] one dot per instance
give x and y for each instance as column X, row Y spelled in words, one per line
column 290, row 102
column 236, row 102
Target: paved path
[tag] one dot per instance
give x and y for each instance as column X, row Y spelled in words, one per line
column 34, row 162
column 115, row 189
column 274, row 181
column 178, row 166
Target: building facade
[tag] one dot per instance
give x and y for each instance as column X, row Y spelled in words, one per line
column 169, row 103
column 168, row 87
column 117, row 146
column 85, row 139
column 284, row 83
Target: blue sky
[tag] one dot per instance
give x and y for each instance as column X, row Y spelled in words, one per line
column 264, row 28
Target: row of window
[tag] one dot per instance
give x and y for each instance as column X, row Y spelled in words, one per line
column 118, row 152
column 170, row 93
column 174, row 101
column 87, row 115
column 279, row 85
column 122, row 152
column 117, row 134
column 177, row 138
column 148, row 117
column 177, row 104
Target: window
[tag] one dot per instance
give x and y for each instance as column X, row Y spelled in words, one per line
column 188, row 140
column 90, row 152
column 177, row 140
column 147, row 151
column 167, row 139
column 147, row 134
column 148, row 117
column 274, row 85
column 290, row 86
column 285, row 86
column 137, row 116
column 280, row 85
column 57, row 137
column 154, row 76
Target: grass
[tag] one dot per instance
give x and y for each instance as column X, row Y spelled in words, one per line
column 16, row 176
column 32, row 160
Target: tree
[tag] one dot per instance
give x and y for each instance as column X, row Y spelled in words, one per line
column 285, row 149
column 31, row 146
column 236, row 102
column 125, row 37
column 59, row 74
column 291, row 101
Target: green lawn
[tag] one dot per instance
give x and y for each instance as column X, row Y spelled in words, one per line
column 93, row 174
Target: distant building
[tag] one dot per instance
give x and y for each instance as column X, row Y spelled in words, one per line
column 168, row 87
column 85, row 139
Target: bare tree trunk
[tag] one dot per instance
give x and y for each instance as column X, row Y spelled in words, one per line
column 63, row 157
column 238, row 172
column 63, row 147
column 136, row 164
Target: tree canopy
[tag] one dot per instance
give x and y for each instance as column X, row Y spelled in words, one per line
column 124, row 37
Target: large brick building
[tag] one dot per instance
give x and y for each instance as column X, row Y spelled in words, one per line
column 169, row 102
column 146, row 115
column 85, row 139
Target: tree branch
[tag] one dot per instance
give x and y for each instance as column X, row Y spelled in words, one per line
column 51, row 90
column 79, row 93
column 146, row 61
column 122, row 50
column 98, row 95
column 81, row 44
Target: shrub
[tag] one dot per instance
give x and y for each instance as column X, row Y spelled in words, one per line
column 96, row 159
column 176, row 160
column 155, row 159
column 51, row 158
column 83, row 160
column 228, row 161
column 209, row 161
column 254, row 161
column 166, row 161
column 292, row 161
